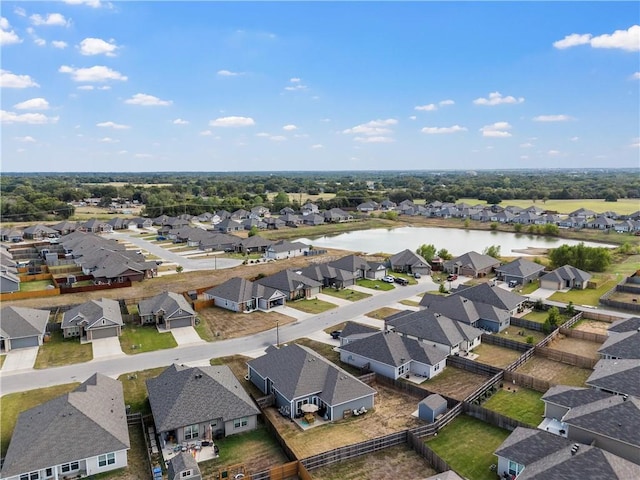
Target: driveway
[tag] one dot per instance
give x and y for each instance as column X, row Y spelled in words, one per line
column 20, row 359
column 186, row 336
column 299, row 315
column 106, row 347
column 341, row 302
column 542, row 293
column 323, row 337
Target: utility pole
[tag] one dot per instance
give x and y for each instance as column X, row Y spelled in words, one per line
column 277, row 334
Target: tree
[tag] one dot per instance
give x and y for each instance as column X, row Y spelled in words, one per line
column 554, row 316
column 550, row 229
column 179, row 269
column 426, row 251
column 493, row 226
column 467, row 223
column 253, row 231
column 517, row 227
column 492, row 251
column 444, row 254
column 570, row 309
column 611, row 196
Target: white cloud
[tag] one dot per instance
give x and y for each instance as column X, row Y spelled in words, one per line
column 553, row 153
column 205, row 133
column 278, row 138
column 496, row 98
column 263, row 134
column 496, row 130
column 628, row 40
column 143, row 155
column 375, row 139
column 229, row 73
column 104, row 87
column 551, row 118
column 32, row 104
column 317, row 146
column 21, row 12
column 97, row 46
column 442, row 130
column 232, row 121
column 108, row 140
column 89, row 3
column 372, row 128
column 289, row 127
column 97, row 73
column 574, row 139
column 294, row 80
column 426, row 108
column 147, row 101
column 301, row 135
column 526, row 145
column 59, row 44
column 635, row 143
column 413, row 117
column 444, row 103
column 295, row 84
column 180, row 121
column 41, row 42
column 27, row 139
column 11, row 80
column 55, row 19
column 29, row 118
column 7, row 36
column 85, row 87
column 115, row 126
column 636, row 76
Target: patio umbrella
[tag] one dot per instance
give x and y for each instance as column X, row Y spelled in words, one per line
column 309, row 408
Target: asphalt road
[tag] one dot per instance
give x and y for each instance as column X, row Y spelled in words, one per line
column 18, row 381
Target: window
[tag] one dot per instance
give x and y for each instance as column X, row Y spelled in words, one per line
column 108, row 459
column 30, row 476
column 515, row 468
column 186, row 473
column 69, row 467
column 240, row 422
column 48, row 472
column 191, row 431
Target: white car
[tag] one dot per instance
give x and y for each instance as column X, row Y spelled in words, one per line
column 388, row 279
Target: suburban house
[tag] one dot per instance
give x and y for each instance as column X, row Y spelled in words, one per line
column 336, row 215
column 450, row 336
column 630, row 324
column 167, row 310
column 531, row 454
column 521, row 271
column 360, row 267
column 394, row 356
column 565, row 277
column 229, row 225
column 81, row 433
column 353, row 331
column 471, row 264
column 367, row 207
column 294, row 285
column 65, row 227
column 309, row 209
column 92, row 320
column 183, row 466
column 475, row 313
column 329, row 276
column 95, row 226
column 296, row 375
column 621, row 345
column 492, row 295
column 9, row 234
column 559, row 399
column 408, row 261
column 621, row 377
column 39, row 232
column 274, row 223
column 241, row 295
column 254, row 244
column 199, row 403
column 223, row 242
column 285, row 249
column 22, row 327
column 9, row 281
column 312, row 219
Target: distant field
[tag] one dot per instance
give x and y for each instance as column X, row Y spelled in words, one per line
column 623, row 206
column 302, row 198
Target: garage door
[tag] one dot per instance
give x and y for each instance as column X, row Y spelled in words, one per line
column 24, row 342
column 180, row 322
column 104, row 333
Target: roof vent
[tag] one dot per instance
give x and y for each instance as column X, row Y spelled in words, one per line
column 624, row 397
column 575, row 448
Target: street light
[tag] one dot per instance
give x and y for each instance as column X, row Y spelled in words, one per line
column 277, row 334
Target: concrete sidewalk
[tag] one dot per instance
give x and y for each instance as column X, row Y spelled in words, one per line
column 20, row 359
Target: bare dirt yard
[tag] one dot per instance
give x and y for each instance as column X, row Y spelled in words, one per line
column 592, row 326
column 495, row 356
column 396, row 462
column 577, row 346
column 391, row 413
column 454, row 382
column 220, row 324
column 555, row 372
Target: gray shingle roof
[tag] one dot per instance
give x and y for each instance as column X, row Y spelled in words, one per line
column 18, row 322
column 526, row 445
column 298, row 371
column 286, row 246
column 407, row 258
column 474, row 260
column 351, row 263
column 491, row 294
column 288, row 281
column 567, row 272
column 520, row 267
column 168, row 302
column 235, row 289
column 182, row 396
column 625, row 325
column 181, row 462
column 622, row 345
column 462, row 309
column 570, row 397
column 90, row 312
column 622, row 376
column 354, row 328
column 89, row 421
column 433, row 328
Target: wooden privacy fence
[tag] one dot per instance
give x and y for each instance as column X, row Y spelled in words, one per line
column 480, row 391
column 523, row 358
column 566, row 357
column 524, row 323
column 35, row 277
column 473, row 367
column 572, row 321
column 202, row 304
column 281, row 472
column 494, row 418
column 527, row 381
column 602, row 317
column 6, row 297
column 590, row 336
column 421, row 448
column 506, row 342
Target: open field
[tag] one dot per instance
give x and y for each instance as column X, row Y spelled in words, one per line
column 626, row 267
column 391, row 413
column 13, row 404
column 396, row 462
column 555, row 372
column 577, row 346
column 623, row 206
column 593, row 326
column 519, row 403
column 454, row 382
column 311, row 305
column 139, row 339
column 59, row 351
column 496, row 356
column 467, row 445
column 219, row 324
column 346, row 294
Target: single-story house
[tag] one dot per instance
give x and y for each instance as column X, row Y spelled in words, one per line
column 492, row 295
column 92, row 320
column 621, row 345
column 630, row 324
column 565, row 277
column 199, row 403
column 471, row 264
column 392, row 355
column 521, row 271
column 38, row 232
column 431, row 407
column 329, row 276
column 183, row 466
column 336, row 215
column 285, row 249
column 312, row 219
column 559, row 399
column 353, row 331
column 360, row 267
column 294, row 285
column 254, row 244
column 9, row 281
column 409, row 262
column 241, row 295
column 229, row 225
column 621, row 377
column 81, row 433
column 296, row 375
column 475, row 313
column 168, row 309
column 22, row 327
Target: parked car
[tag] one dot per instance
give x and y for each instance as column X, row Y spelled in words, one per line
column 452, row 277
column 161, row 238
column 336, row 334
column 513, row 283
column 388, row 279
column 401, row 281
column 417, row 275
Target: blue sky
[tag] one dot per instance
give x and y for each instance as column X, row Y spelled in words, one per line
column 89, row 85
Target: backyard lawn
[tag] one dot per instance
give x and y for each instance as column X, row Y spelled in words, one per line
column 520, row 334
column 518, row 403
column 346, row 294
column 375, row 284
column 467, row 445
column 496, row 356
column 311, row 305
column 138, row 339
column 35, row 285
column 555, row 372
column 541, row 316
column 135, row 388
column 59, row 351
column 325, row 350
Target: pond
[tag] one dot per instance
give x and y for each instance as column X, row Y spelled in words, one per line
column 456, row 241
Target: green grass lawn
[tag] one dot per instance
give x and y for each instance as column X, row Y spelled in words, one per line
column 13, row 404
column 588, row 296
column 2, row 359
column 135, row 388
column 519, row 403
column 35, row 285
column 410, row 303
column 146, row 339
column 412, row 281
column 540, row 316
column 375, row 284
column 529, row 288
column 204, row 332
column 346, row 294
column 60, row 351
column 311, row 305
column 514, row 333
column 628, row 266
column 622, row 206
column 467, row 445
